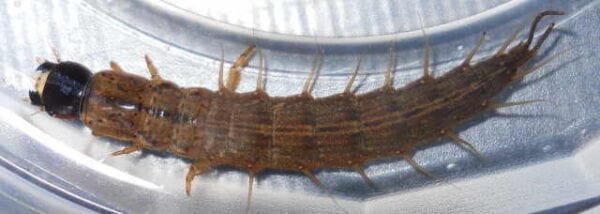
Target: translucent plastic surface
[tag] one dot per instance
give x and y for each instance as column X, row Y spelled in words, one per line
column 537, row 157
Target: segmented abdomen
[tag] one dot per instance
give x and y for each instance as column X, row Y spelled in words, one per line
column 255, row 131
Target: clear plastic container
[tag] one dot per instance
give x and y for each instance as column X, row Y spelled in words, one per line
column 537, row 157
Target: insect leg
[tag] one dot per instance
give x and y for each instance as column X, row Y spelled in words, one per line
column 260, row 85
column 36, row 112
column 251, row 176
column 426, row 74
column 221, row 82
column 138, row 142
column 152, row 69
column 389, row 73
column 115, row 67
column 423, row 171
column 463, row 143
column 510, row 104
column 135, row 146
column 420, row 169
column 536, row 21
column 132, row 148
column 233, row 80
column 472, row 53
column 522, row 74
column 40, row 60
column 316, row 181
column 54, row 51
column 543, row 38
column 359, row 170
column 199, row 167
column 313, row 71
column 509, row 40
column 348, row 89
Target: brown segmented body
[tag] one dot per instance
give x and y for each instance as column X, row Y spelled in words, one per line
column 254, row 131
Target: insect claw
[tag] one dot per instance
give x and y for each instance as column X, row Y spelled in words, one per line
column 467, row 60
column 464, row 144
column 115, row 67
column 348, row 89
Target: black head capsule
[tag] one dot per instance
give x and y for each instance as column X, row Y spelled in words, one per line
column 60, row 88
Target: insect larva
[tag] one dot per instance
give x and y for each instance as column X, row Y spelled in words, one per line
column 254, row 131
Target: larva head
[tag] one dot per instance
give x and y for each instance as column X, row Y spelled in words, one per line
column 60, row 88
